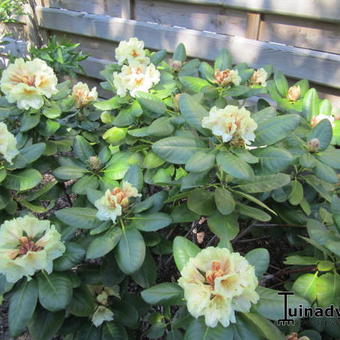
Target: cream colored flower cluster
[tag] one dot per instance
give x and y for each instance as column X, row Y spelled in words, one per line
column 259, row 77
column 231, row 123
column 111, row 205
column 8, row 144
column 27, row 245
column 82, row 94
column 227, row 77
column 218, row 283
column 139, row 74
column 27, row 82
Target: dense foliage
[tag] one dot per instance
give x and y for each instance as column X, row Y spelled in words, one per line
column 124, row 218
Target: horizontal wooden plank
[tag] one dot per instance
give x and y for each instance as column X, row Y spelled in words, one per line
column 105, row 7
column 322, row 68
column 324, row 10
column 202, row 18
column 301, row 33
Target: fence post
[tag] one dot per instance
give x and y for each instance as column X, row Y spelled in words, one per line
column 126, row 9
column 253, row 25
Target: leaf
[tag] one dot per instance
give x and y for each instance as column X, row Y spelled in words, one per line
column 146, row 275
column 69, row 172
column 275, row 129
column 200, row 161
column 328, row 290
column 82, row 149
column 201, row 202
column 301, row 260
column 265, row 183
column 180, row 53
column 164, row 294
column 55, row 291
column 224, row 200
column 330, row 158
column 113, row 331
column 22, row 180
column 109, row 104
column 73, row 255
column 193, row 84
column 192, row 111
column 296, row 195
column 234, row 166
column 82, row 218
column 325, row 172
column 323, row 132
column 22, row 304
column 281, row 83
column 44, row 325
column 85, row 183
column 306, row 286
column 183, row 250
column 161, row 127
column 150, row 102
column 254, row 213
column 259, row 258
column 130, row 253
column 151, row 222
column 103, row 244
column 223, row 60
column 273, row 159
column 224, row 227
column 29, row 154
column 271, row 304
column 82, row 303
column 134, row 176
column 177, row 150
column 310, row 104
column 206, row 71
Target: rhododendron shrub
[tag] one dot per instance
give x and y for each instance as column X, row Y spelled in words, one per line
column 167, row 210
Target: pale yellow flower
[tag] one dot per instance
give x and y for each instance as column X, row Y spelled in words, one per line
column 231, row 123
column 111, row 205
column 294, row 93
column 135, row 78
column 27, row 245
column 227, row 77
column 101, row 315
column 82, row 94
column 317, row 119
column 131, row 51
column 8, row 144
column 218, row 283
column 259, row 77
column 26, row 83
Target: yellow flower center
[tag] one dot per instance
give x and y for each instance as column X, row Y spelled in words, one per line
column 24, row 78
column 25, row 245
column 215, row 272
column 134, row 53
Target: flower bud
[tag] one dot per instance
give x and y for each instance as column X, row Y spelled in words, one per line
column 313, row 145
column 115, row 135
column 227, row 77
column 294, row 93
column 176, row 65
column 94, row 163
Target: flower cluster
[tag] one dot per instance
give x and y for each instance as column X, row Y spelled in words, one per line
column 112, row 203
column 139, row 74
column 259, row 77
column 231, row 123
column 8, row 144
column 102, row 312
column 227, row 77
column 82, row 94
column 26, row 83
column 28, row 245
column 294, row 93
column 218, row 283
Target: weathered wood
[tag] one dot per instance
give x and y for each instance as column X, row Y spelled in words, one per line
column 324, row 10
column 198, row 17
column 105, row 7
column 322, row 68
column 253, row 25
column 301, row 33
column 126, row 8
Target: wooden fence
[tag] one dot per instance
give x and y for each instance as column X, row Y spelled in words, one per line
column 299, row 37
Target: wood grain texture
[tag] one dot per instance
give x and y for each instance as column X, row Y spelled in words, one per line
column 253, row 25
column 301, row 33
column 198, row 17
column 105, row 7
column 322, row 68
column 324, row 10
